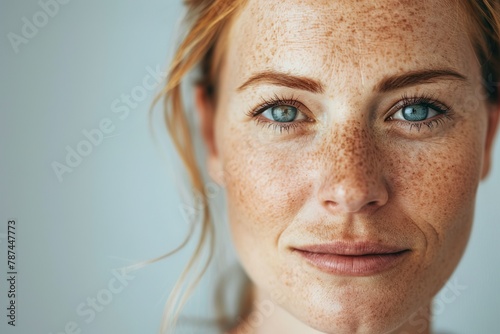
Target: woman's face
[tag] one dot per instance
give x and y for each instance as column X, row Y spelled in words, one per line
column 351, row 137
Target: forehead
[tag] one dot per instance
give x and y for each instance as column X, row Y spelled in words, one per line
column 324, row 38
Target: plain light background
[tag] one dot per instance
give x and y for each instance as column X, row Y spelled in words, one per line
column 120, row 205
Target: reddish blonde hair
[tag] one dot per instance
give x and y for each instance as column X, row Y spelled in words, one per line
column 203, row 48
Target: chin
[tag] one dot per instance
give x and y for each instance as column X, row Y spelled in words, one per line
column 379, row 304
column 373, row 318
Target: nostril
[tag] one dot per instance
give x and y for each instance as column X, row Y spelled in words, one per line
column 355, row 202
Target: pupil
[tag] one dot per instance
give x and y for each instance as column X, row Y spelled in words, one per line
column 415, row 112
column 284, row 113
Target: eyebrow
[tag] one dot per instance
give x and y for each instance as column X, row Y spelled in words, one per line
column 387, row 84
column 283, row 79
column 417, row 77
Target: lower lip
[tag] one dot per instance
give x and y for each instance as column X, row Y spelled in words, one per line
column 354, row 265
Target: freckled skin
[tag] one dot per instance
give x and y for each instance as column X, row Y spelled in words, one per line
column 350, row 173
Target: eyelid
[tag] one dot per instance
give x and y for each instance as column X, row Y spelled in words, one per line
column 255, row 114
column 277, row 100
column 444, row 113
column 427, row 100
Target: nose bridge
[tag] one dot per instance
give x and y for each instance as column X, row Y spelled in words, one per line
column 354, row 157
column 352, row 173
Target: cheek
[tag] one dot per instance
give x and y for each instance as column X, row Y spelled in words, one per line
column 435, row 187
column 265, row 187
column 436, row 180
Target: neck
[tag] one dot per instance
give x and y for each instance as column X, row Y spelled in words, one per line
column 266, row 317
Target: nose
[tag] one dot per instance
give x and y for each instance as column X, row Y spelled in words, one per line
column 352, row 179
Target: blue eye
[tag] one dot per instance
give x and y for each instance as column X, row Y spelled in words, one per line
column 415, row 113
column 281, row 113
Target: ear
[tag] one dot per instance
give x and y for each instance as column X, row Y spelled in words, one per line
column 206, row 113
column 493, row 120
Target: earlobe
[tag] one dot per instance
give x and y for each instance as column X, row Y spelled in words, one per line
column 493, row 120
column 206, row 113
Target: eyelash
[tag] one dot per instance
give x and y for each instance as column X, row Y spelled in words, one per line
column 444, row 112
column 275, row 102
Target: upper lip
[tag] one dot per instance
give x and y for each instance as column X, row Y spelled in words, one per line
column 351, row 248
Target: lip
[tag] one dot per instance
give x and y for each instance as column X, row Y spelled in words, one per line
column 353, row 258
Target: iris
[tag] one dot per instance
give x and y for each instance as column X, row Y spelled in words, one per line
column 283, row 113
column 415, row 113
